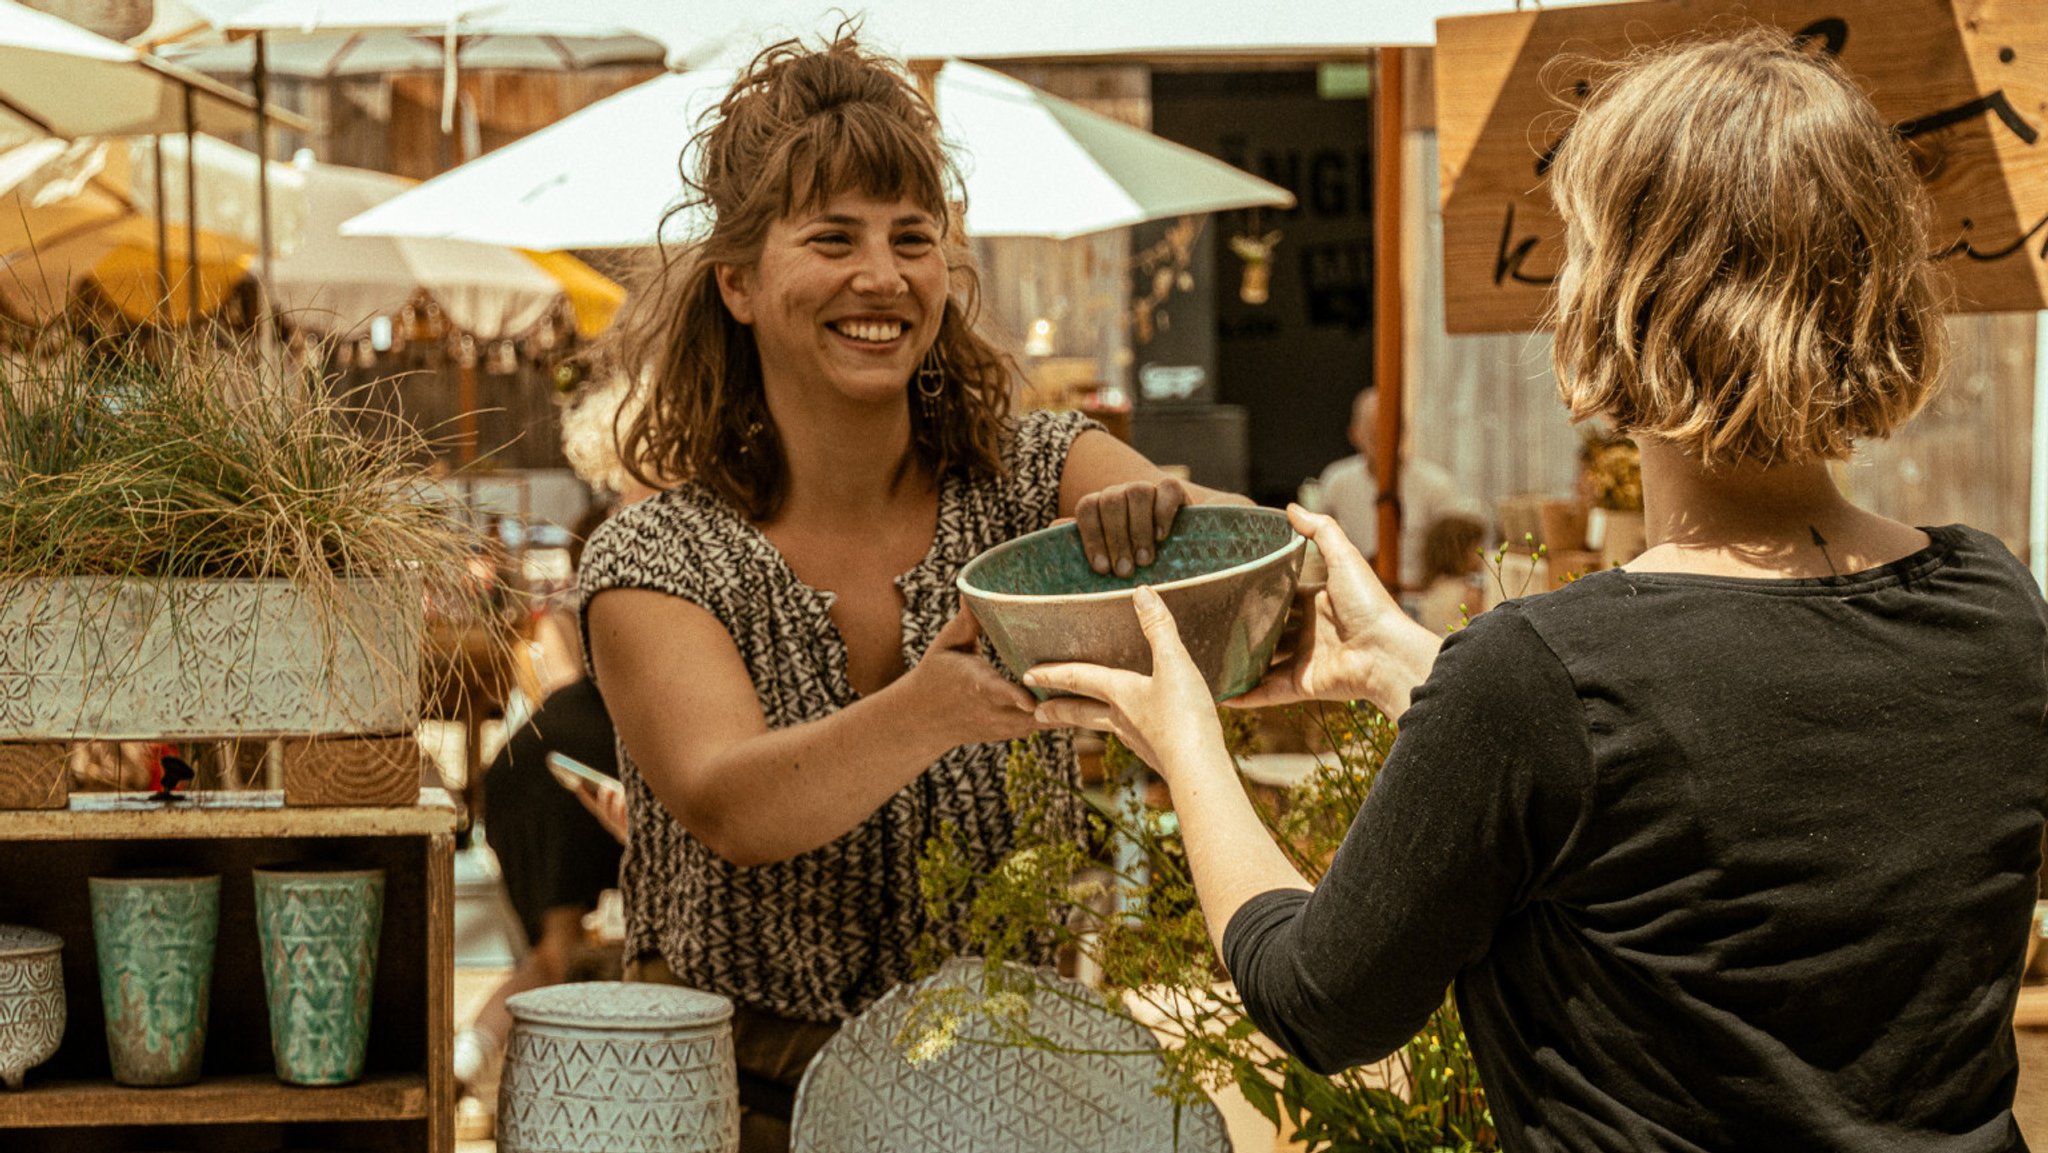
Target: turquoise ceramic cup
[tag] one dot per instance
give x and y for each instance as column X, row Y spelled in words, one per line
column 154, row 935
column 318, row 930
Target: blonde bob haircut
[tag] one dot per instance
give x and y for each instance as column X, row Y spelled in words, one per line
column 799, row 126
column 1747, row 273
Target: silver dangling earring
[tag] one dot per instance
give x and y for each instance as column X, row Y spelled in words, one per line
column 931, row 382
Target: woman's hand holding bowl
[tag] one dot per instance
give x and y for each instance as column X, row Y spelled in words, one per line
column 1167, row 718
column 1352, row 641
column 959, row 690
column 1122, row 525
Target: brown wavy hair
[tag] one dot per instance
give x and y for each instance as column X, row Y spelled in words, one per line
column 1747, row 271
column 798, row 127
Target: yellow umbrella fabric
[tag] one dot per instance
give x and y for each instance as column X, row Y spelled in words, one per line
column 120, row 261
column 594, row 298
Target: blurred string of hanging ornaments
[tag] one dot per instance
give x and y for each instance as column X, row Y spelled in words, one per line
column 1255, row 250
column 1169, row 263
column 418, row 364
column 420, row 335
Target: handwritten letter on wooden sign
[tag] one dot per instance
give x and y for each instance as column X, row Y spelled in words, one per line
column 1965, row 82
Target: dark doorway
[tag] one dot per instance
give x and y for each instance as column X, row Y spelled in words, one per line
column 1295, row 361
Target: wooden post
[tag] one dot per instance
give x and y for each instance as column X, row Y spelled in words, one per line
column 192, row 294
column 260, row 78
column 1387, row 331
column 163, row 228
column 465, row 403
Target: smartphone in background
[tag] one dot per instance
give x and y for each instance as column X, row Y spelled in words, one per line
column 574, row 775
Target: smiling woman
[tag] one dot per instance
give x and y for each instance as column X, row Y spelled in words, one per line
column 800, row 703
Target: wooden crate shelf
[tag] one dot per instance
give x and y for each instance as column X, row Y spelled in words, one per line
column 248, row 1097
column 405, row 1101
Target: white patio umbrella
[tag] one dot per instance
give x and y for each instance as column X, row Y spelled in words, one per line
column 57, row 79
column 373, row 52
column 1033, row 165
column 336, row 284
column 1303, row 30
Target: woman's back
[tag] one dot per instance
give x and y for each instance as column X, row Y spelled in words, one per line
column 1716, row 864
column 1791, row 908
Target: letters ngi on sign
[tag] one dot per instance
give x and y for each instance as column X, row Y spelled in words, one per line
column 1964, row 81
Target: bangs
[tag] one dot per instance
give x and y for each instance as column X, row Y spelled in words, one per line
column 860, row 148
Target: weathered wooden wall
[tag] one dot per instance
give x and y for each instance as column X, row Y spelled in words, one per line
column 1486, row 408
column 1967, row 457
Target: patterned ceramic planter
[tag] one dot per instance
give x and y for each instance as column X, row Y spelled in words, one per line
column 31, row 999
column 318, row 929
column 1096, row 1087
column 193, row 659
column 610, row 1067
column 154, row 934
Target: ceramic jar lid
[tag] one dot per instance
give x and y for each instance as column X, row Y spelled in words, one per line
column 619, row 1005
column 22, row 941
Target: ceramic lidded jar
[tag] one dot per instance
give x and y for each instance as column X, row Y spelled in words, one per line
column 616, row 1067
column 31, row 999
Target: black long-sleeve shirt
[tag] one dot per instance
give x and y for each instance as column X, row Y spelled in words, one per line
column 1714, row 863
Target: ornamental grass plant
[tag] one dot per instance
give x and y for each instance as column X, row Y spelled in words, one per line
column 1143, row 930
column 152, row 456
column 171, row 457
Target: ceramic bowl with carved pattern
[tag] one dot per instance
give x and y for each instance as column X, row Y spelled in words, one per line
column 31, row 1000
column 1227, row 573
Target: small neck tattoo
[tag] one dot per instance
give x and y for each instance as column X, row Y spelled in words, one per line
column 1820, row 542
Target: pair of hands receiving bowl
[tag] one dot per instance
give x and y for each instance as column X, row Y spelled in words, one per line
column 1144, row 652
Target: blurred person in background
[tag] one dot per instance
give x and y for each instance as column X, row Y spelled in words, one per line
column 1451, row 564
column 1349, row 491
column 557, row 849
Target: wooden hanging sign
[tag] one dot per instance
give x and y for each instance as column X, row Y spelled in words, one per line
column 1965, row 81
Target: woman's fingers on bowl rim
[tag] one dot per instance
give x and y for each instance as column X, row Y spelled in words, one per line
column 1169, row 496
column 1088, row 520
column 1140, row 503
column 1115, row 514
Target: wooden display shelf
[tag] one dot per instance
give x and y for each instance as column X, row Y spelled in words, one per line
column 254, row 813
column 227, row 1100
column 2032, row 1012
column 405, row 1102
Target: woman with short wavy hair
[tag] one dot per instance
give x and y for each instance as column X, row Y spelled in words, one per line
column 800, row 703
column 1733, row 848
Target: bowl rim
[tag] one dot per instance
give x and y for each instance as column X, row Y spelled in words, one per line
column 1296, row 543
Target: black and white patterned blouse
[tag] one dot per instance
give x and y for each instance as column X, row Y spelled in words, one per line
column 819, row 936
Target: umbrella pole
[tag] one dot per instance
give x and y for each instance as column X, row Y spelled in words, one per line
column 465, row 400
column 1388, row 325
column 192, row 207
column 163, row 226
column 260, row 81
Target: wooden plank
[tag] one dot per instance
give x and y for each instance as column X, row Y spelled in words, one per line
column 1389, row 329
column 33, row 775
column 252, row 1097
column 1970, row 95
column 133, row 816
column 440, row 961
column 362, row 771
column 2032, row 1011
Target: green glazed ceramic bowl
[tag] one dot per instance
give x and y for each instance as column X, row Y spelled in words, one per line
column 1227, row 573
